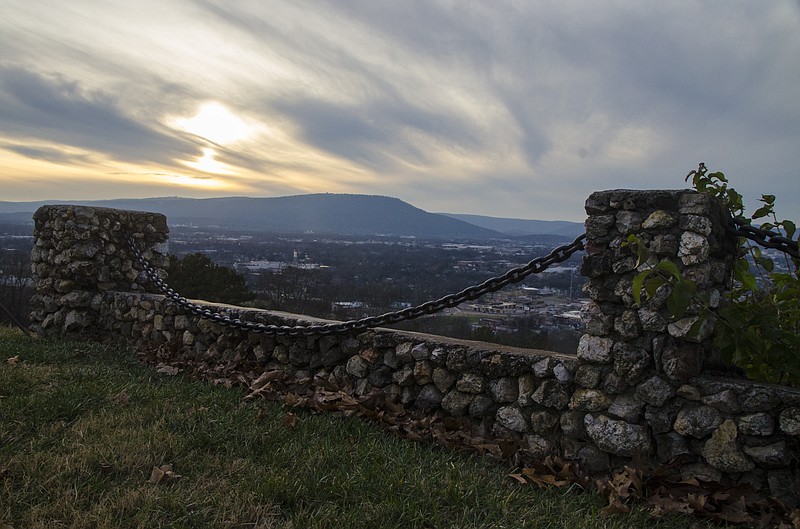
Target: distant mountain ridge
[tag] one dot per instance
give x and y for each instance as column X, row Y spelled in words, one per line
column 523, row 227
column 319, row 213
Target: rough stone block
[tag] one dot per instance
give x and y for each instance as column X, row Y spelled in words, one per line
column 589, row 400
column 770, row 456
column 403, row 352
column 504, row 389
column 693, row 248
column 627, row 407
column 697, row 421
column 551, row 394
column 471, row 383
column 723, row 453
column 617, row 437
column 572, row 423
column 456, row 403
column 482, row 406
column 670, row 445
column 659, row 220
column 423, row 372
column 357, row 366
column 789, row 421
column 401, row 377
column 684, row 329
column 595, row 349
column 628, row 222
column 526, row 384
column 511, row 417
column 543, row 421
column 595, row 321
column 429, row 397
column 655, row 391
column 588, row 375
column 443, row 379
column 682, row 361
column 630, row 362
column 420, row 352
column 725, row 401
column 562, row 373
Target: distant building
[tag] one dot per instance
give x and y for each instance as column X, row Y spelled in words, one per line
column 505, row 307
column 493, row 324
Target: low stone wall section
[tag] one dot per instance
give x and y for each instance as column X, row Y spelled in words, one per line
column 504, row 389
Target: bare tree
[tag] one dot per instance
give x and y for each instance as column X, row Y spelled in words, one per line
column 16, row 285
column 291, row 289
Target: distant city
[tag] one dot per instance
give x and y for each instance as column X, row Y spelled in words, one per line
column 332, row 265
column 347, row 277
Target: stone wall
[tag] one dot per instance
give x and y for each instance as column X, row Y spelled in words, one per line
column 639, row 387
column 646, row 383
column 79, row 253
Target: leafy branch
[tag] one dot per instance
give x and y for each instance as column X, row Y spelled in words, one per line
column 758, row 325
column 654, row 276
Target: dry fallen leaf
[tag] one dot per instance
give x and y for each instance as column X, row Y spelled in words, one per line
column 121, row 398
column 291, row 421
column 167, row 370
column 519, row 478
column 14, row 360
column 163, row 474
column 264, row 378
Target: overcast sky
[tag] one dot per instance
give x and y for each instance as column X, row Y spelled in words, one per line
column 503, row 108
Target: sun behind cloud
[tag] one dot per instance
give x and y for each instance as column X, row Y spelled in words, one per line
column 216, row 123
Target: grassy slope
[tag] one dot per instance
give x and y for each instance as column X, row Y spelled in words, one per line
column 81, row 428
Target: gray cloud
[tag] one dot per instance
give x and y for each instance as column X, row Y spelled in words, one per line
column 58, row 110
column 46, row 154
column 527, row 106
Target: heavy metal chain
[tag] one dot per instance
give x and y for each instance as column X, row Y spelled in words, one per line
column 535, row 266
column 766, row 238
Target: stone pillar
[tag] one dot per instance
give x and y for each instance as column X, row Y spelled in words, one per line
column 81, row 252
column 635, row 358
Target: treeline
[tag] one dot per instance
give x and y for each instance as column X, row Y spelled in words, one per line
column 16, row 286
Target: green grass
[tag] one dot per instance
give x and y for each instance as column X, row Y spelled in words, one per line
column 81, row 427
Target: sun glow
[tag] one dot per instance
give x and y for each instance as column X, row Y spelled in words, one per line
column 198, row 183
column 209, row 164
column 216, row 123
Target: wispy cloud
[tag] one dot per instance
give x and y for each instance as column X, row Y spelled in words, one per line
column 61, row 111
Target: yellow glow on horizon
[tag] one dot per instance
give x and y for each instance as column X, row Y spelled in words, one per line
column 23, row 178
column 201, row 183
column 209, row 164
column 216, row 123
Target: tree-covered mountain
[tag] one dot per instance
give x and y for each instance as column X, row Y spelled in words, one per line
column 318, row 213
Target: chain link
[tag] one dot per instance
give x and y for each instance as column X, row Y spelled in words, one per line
column 535, row 266
column 766, row 238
